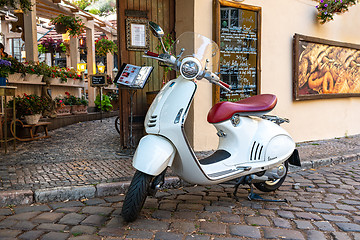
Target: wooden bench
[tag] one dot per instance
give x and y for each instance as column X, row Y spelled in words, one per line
column 33, row 130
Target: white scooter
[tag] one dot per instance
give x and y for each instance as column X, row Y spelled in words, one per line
column 252, row 149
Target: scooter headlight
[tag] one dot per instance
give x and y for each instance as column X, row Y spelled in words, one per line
column 190, row 68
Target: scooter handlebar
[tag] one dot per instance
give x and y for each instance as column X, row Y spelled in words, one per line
column 151, row 54
column 224, row 84
column 214, row 79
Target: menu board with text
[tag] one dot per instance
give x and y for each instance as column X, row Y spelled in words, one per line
column 238, row 52
column 132, row 76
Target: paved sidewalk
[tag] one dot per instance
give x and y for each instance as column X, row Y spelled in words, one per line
column 88, row 153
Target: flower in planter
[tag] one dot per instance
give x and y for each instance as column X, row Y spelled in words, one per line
column 29, row 105
column 327, row 8
column 73, row 25
column 16, row 66
column 4, row 68
column 104, row 46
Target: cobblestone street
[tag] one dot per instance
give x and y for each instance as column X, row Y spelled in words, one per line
column 323, row 196
column 325, row 206
column 79, row 154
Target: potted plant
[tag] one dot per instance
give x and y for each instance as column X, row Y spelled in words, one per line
column 34, row 72
column 30, row 107
column 105, row 105
column 73, row 25
column 4, row 71
column 62, row 105
column 104, row 46
column 327, row 8
column 17, row 70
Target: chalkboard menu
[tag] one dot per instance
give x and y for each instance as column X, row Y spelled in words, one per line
column 98, row 80
column 239, row 54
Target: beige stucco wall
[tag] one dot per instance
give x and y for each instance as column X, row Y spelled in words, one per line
column 281, row 19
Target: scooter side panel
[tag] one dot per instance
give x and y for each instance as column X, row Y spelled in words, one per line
column 153, row 154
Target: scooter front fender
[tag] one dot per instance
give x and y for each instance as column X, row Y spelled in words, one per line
column 153, row 154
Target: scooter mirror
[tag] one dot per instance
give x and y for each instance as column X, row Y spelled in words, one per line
column 156, row 30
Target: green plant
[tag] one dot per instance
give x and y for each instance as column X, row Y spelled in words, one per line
column 82, row 4
column 105, row 103
column 29, row 104
column 104, row 46
column 16, row 66
column 327, row 8
column 73, row 25
column 25, row 5
column 168, row 44
column 5, row 66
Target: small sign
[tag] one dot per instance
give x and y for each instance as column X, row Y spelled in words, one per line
column 98, row 80
column 132, row 76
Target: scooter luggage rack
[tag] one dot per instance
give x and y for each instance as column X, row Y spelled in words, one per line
column 275, row 119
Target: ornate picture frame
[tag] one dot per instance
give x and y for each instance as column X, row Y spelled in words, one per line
column 325, row 69
column 137, row 34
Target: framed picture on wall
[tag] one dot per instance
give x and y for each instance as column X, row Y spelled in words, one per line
column 137, row 34
column 325, row 69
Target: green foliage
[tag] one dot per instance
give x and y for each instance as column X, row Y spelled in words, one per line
column 73, row 25
column 168, row 44
column 105, row 103
column 70, row 100
column 29, row 104
column 104, row 46
column 5, row 66
column 327, row 8
column 82, row 4
column 16, row 66
column 25, row 5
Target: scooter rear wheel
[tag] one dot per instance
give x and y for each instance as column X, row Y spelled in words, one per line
column 136, row 196
column 269, row 186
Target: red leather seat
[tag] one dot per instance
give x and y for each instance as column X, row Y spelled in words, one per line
column 249, row 106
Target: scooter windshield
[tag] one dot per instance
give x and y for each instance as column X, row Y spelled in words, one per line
column 200, row 47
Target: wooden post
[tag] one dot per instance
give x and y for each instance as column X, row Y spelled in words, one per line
column 74, row 52
column 91, row 67
column 30, row 33
column 110, row 59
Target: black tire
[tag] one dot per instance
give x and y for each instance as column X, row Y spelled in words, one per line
column 117, row 124
column 136, row 196
column 270, row 186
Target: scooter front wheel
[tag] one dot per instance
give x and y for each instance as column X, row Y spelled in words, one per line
column 136, row 196
column 269, row 186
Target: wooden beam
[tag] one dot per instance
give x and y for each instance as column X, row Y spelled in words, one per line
column 50, row 10
column 56, row 1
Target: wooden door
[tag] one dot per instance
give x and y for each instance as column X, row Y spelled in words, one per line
column 161, row 12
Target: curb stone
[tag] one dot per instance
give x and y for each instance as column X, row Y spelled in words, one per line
column 23, row 197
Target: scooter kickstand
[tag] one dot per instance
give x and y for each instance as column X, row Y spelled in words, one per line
column 240, row 181
column 255, row 196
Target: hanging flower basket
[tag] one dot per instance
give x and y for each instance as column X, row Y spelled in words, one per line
column 60, row 28
column 73, row 25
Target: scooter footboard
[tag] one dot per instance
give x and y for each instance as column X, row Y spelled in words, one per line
column 153, row 154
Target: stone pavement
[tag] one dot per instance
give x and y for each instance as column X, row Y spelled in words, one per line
column 84, row 161
column 325, row 206
column 89, row 153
